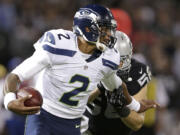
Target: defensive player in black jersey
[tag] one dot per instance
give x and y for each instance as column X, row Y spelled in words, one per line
column 104, row 119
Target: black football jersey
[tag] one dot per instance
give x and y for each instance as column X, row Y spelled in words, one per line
column 140, row 75
column 103, row 119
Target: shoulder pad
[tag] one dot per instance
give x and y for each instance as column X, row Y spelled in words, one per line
column 57, row 38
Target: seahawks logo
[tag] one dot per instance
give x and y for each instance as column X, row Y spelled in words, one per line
column 84, row 12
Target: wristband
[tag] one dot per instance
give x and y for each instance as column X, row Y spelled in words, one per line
column 8, row 98
column 134, row 105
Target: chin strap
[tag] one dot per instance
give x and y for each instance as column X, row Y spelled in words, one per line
column 100, row 46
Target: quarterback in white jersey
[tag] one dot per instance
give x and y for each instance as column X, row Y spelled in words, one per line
column 68, row 78
column 73, row 64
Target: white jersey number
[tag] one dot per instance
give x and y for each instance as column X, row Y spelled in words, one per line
column 145, row 78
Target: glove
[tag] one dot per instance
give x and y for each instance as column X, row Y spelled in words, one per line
column 116, row 98
column 123, row 112
column 118, row 101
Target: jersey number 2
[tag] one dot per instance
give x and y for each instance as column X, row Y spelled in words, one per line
column 65, row 36
column 66, row 98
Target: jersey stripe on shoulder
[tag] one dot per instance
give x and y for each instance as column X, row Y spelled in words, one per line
column 58, row 51
column 109, row 64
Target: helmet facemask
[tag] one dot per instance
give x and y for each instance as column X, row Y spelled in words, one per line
column 123, row 71
column 107, row 37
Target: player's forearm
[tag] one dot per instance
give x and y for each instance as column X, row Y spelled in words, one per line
column 134, row 120
column 126, row 93
column 95, row 93
column 11, row 83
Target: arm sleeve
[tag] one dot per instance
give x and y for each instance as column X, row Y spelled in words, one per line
column 112, row 82
column 31, row 66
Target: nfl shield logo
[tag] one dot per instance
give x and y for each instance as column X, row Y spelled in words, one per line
column 85, row 67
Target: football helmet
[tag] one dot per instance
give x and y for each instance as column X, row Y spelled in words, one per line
column 88, row 22
column 124, row 46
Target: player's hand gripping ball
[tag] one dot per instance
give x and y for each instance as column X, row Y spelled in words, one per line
column 35, row 100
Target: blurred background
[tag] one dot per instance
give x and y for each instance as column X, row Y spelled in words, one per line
column 154, row 29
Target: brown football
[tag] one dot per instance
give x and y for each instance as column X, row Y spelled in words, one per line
column 35, row 100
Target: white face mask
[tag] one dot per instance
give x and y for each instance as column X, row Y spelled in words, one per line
column 126, row 62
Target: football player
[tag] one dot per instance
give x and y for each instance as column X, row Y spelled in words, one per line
column 107, row 118
column 73, row 64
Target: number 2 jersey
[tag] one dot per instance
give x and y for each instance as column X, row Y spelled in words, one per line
column 103, row 119
column 68, row 75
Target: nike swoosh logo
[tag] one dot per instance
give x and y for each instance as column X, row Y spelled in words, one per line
column 140, row 71
column 77, row 126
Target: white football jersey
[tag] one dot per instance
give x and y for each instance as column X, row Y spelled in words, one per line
column 68, row 78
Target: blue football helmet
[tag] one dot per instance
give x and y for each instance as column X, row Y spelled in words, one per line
column 93, row 18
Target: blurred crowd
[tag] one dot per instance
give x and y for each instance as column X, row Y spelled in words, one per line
column 155, row 34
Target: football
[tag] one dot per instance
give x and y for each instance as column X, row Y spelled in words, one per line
column 35, row 100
